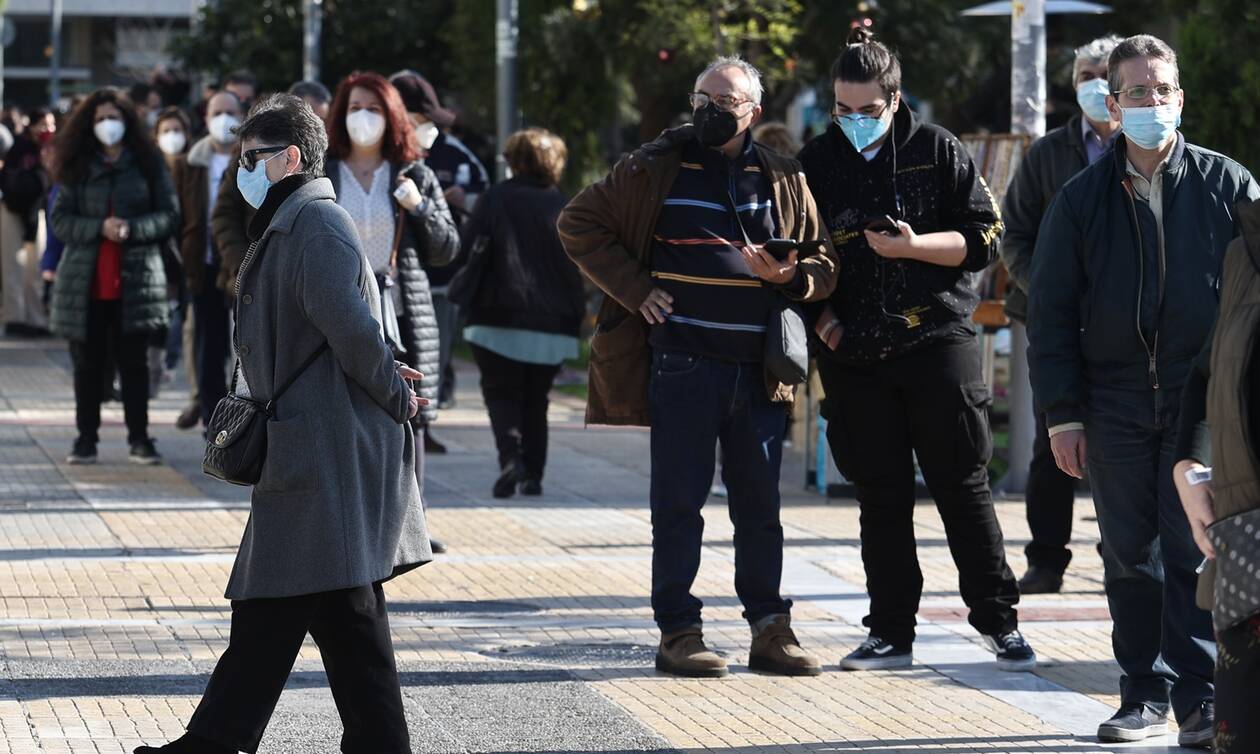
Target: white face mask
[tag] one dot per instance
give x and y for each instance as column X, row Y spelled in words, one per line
column 426, row 134
column 109, row 131
column 221, row 126
column 365, row 127
column 172, row 142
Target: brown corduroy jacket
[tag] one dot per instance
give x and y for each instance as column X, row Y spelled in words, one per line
column 607, row 230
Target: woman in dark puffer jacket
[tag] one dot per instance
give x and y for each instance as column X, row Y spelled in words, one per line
column 402, row 219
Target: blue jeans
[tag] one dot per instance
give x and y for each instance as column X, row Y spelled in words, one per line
column 697, row 403
column 1161, row 639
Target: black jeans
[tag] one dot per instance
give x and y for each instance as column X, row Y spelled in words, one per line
column 1162, row 641
column 697, row 403
column 213, row 342
column 933, row 405
column 1237, row 678
column 94, row 363
column 1048, row 505
column 351, row 628
column 516, row 395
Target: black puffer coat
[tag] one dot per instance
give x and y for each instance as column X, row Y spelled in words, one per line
column 429, row 238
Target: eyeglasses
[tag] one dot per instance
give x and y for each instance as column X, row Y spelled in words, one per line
column 862, row 120
column 1161, row 91
column 728, row 102
column 249, row 158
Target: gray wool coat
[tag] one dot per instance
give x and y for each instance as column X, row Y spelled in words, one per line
column 337, row 505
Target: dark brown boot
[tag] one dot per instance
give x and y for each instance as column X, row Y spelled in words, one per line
column 776, row 650
column 683, row 653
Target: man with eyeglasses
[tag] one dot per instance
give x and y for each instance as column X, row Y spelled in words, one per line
column 675, row 236
column 1051, row 162
column 1124, row 293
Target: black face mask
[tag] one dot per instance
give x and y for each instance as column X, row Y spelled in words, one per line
column 715, row 126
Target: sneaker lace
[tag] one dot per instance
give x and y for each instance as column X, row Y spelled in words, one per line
column 873, row 642
column 1013, row 640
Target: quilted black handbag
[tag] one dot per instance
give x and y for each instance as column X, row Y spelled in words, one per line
column 236, row 438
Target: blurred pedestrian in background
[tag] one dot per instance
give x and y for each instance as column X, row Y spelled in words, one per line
column 24, row 183
column 315, row 95
column 776, row 135
column 525, row 302
column 402, row 219
column 115, row 209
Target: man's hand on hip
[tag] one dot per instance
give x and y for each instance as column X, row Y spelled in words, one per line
column 657, row 307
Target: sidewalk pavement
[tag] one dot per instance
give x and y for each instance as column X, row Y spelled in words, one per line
column 533, row 635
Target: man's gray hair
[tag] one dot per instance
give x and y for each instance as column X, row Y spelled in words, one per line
column 1094, row 53
column 284, row 120
column 1141, row 46
column 734, row 61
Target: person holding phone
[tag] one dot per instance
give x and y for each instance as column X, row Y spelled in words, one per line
column 675, row 236
column 913, row 224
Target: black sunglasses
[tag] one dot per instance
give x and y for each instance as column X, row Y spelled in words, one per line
column 249, row 158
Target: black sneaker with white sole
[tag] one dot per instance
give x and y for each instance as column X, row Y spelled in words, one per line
column 1199, row 728
column 1134, row 722
column 144, row 453
column 877, row 654
column 1012, row 650
column 84, row 453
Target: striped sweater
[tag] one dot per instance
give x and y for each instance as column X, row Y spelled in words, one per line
column 720, row 308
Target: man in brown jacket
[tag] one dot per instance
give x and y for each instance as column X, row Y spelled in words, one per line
column 675, row 237
column 197, row 177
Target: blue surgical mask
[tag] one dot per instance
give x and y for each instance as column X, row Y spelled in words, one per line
column 864, row 130
column 1148, row 127
column 1092, row 97
column 254, row 184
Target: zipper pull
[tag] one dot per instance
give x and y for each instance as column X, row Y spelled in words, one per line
column 1154, row 373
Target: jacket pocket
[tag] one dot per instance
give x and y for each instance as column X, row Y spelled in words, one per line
column 620, row 369
column 291, row 464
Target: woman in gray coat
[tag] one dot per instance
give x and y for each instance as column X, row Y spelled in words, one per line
column 336, row 510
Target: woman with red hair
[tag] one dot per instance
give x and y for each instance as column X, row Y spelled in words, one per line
column 402, row 219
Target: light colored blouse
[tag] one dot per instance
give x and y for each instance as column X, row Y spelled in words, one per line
column 372, row 212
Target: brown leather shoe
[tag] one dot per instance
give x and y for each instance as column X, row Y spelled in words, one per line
column 776, row 650
column 683, row 653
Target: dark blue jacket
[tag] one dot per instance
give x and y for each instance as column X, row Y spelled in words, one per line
column 1108, row 305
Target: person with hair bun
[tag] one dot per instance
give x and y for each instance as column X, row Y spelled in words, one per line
column 525, row 303
column 914, row 225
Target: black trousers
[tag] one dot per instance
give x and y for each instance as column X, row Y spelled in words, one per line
column 1048, row 505
column 213, row 342
column 931, row 405
column 351, row 628
column 516, row 395
column 94, row 362
column 1237, row 678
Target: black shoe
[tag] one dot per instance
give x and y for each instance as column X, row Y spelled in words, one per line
column 1013, row 652
column 189, row 417
column 84, row 453
column 1134, row 722
column 433, row 446
column 144, row 454
column 531, row 487
column 187, row 744
column 877, row 654
column 505, row 485
column 436, row 546
column 1041, row 580
column 1198, row 729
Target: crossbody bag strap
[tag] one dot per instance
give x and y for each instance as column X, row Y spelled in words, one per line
column 298, row 373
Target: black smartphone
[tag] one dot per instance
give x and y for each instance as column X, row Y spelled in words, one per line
column 779, row 248
column 885, row 225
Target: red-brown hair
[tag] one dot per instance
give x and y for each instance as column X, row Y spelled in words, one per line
column 397, row 146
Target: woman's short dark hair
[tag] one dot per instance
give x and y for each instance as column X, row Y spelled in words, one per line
column 75, row 145
column 283, row 120
column 174, row 113
column 311, row 90
column 864, row 60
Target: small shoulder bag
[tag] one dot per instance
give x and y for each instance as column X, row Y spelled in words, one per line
column 236, row 438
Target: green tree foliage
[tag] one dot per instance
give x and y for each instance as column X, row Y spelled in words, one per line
column 1221, row 78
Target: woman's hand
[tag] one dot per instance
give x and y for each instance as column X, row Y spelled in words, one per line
column 115, row 229
column 408, row 194
column 1197, row 501
column 829, row 328
column 414, row 402
column 893, row 247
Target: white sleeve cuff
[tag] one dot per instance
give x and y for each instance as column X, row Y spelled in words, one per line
column 1069, row 427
